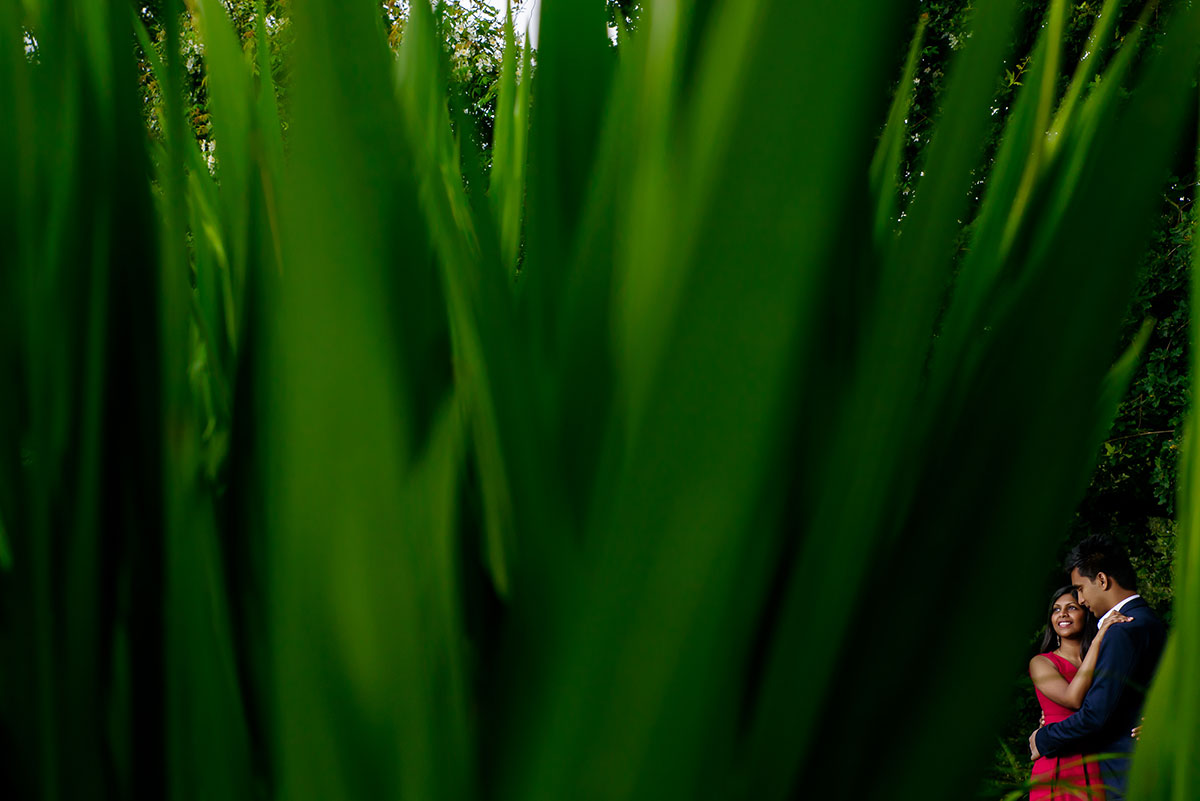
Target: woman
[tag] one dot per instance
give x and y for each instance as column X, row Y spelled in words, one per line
column 1061, row 675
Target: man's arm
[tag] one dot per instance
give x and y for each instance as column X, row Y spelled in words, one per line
column 1117, row 660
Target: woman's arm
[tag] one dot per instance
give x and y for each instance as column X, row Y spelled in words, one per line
column 1052, row 684
column 1119, row 657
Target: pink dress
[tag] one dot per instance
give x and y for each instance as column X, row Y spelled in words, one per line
column 1064, row 778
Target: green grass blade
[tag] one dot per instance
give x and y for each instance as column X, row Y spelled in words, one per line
column 985, row 262
column 1086, row 70
column 148, row 50
column 358, row 352
column 1116, row 382
column 886, row 164
column 212, row 757
column 187, row 696
column 573, row 76
column 231, row 100
column 14, row 211
column 5, row 548
column 507, row 187
column 268, row 106
column 1047, row 95
column 1097, row 110
column 687, row 454
column 1166, row 765
column 473, row 283
column 855, row 502
column 270, row 134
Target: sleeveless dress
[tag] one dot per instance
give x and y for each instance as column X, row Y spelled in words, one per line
column 1064, row 778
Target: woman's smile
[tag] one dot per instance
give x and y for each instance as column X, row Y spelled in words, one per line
column 1068, row 616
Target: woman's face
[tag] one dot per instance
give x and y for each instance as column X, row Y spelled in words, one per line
column 1067, row 616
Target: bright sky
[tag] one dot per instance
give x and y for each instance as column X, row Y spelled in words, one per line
column 525, row 16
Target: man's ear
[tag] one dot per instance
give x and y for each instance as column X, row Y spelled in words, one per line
column 1102, row 580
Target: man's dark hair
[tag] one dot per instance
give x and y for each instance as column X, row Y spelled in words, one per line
column 1101, row 554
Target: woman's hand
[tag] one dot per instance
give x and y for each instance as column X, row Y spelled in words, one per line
column 1110, row 621
column 1137, row 731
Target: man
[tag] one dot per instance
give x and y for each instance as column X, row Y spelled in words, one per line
column 1104, row 579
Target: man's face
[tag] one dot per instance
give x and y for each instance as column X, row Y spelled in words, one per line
column 1089, row 591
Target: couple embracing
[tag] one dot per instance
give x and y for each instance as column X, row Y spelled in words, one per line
column 1101, row 647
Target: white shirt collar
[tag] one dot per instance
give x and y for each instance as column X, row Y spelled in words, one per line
column 1115, row 609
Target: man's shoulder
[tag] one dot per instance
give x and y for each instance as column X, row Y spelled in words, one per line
column 1137, row 602
column 1142, row 612
column 1145, row 628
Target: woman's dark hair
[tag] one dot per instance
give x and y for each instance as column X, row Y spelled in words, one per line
column 1050, row 636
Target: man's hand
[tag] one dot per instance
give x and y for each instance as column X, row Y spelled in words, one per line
column 1033, row 752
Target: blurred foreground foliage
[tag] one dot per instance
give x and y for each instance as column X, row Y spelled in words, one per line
column 1133, row 488
column 332, row 475
column 472, row 32
column 1132, row 492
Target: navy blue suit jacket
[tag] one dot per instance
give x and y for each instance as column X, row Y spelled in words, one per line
column 1128, row 657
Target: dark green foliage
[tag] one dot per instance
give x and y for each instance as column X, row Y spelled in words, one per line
column 1161, row 769
column 470, row 30
column 1132, row 491
column 1135, row 481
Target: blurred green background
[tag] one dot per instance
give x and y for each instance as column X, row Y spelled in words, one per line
column 693, row 405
